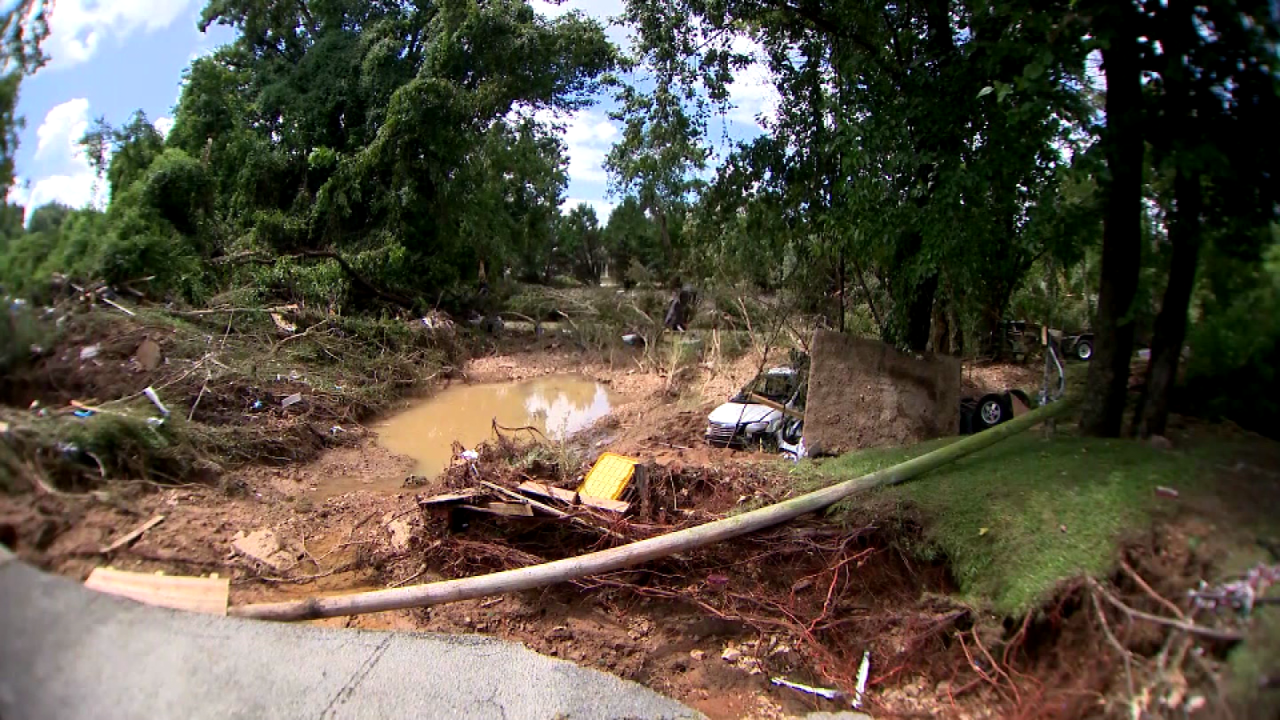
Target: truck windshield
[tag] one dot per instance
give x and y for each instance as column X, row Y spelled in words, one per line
column 777, row 387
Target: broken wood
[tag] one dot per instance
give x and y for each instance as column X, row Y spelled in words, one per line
column 554, row 512
column 636, row 553
column 504, row 509
column 193, row 594
column 133, row 535
column 573, row 498
column 762, row 400
column 450, row 498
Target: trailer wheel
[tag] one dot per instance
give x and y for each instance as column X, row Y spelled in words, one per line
column 992, row 410
column 1083, row 349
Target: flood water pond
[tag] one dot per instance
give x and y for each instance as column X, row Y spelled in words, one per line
column 558, row 405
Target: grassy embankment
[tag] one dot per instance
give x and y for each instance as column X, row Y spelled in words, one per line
column 1018, row 519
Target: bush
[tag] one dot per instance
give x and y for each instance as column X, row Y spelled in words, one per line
column 1235, row 349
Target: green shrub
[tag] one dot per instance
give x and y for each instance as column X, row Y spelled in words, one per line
column 1235, row 350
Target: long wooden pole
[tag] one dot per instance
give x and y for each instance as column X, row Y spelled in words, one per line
column 535, row 576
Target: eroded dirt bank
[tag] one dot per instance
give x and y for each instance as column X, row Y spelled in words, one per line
column 710, row 628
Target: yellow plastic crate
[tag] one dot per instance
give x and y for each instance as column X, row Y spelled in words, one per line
column 609, row 477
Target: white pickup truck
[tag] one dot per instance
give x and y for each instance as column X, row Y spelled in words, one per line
column 745, row 422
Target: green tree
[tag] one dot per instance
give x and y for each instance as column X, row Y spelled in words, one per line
column 377, row 133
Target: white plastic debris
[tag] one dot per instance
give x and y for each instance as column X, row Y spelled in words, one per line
column 89, row 352
column 863, row 671
column 292, row 400
column 828, row 693
column 155, row 400
column 471, row 455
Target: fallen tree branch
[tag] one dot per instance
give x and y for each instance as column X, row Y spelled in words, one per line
column 643, row 551
column 1211, row 633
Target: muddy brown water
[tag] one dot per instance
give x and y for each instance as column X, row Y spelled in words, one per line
column 558, row 405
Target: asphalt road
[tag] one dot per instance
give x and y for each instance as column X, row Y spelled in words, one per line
column 68, row 653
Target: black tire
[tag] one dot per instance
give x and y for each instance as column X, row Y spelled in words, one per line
column 1083, row 350
column 991, row 411
column 792, row 430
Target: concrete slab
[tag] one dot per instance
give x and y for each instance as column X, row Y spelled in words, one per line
column 68, row 653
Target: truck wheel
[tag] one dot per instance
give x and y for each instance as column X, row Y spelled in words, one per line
column 792, row 430
column 992, row 410
column 1083, row 350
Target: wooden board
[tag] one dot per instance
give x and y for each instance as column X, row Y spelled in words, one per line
column 501, row 508
column 134, row 535
column 450, row 498
column 193, row 594
column 573, row 498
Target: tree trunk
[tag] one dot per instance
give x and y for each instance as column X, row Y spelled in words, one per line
column 840, row 293
column 1171, row 323
column 940, row 339
column 1108, row 380
column 920, row 314
column 1184, row 229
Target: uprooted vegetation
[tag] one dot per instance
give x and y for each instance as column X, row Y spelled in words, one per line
column 235, row 386
column 970, row 588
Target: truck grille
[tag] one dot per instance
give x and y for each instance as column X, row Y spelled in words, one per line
column 723, row 434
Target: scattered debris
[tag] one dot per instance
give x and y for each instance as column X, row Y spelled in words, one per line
column 133, row 535
column 148, row 355
column 261, row 546
column 469, row 455
column 828, row 693
column 283, row 325
column 1240, row 595
column 117, row 305
column 155, row 400
column 609, row 477
column 89, row 352
column 292, row 400
column 505, row 509
column 573, row 498
column 1167, row 492
column 401, row 533
column 864, row 670
column 82, row 413
column 446, row 499
column 193, row 594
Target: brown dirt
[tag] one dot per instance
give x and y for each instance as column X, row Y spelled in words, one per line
column 865, row 394
column 708, row 628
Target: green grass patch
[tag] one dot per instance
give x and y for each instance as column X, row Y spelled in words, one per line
column 1018, row 518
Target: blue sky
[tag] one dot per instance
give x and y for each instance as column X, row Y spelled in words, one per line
column 111, row 57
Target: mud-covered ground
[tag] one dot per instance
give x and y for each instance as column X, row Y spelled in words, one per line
column 710, row 628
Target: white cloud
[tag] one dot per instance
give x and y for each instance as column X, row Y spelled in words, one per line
column 603, row 209
column 63, row 172
column 600, row 9
column 588, row 136
column 754, row 96
column 163, row 125
column 78, row 27
column 63, row 125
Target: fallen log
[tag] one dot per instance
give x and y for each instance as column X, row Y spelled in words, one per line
column 535, row 576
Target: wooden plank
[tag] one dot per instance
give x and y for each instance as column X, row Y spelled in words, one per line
column 504, row 509
column 193, row 594
column 134, row 535
column 554, row 512
column 762, row 400
column 573, row 498
column 451, row 498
